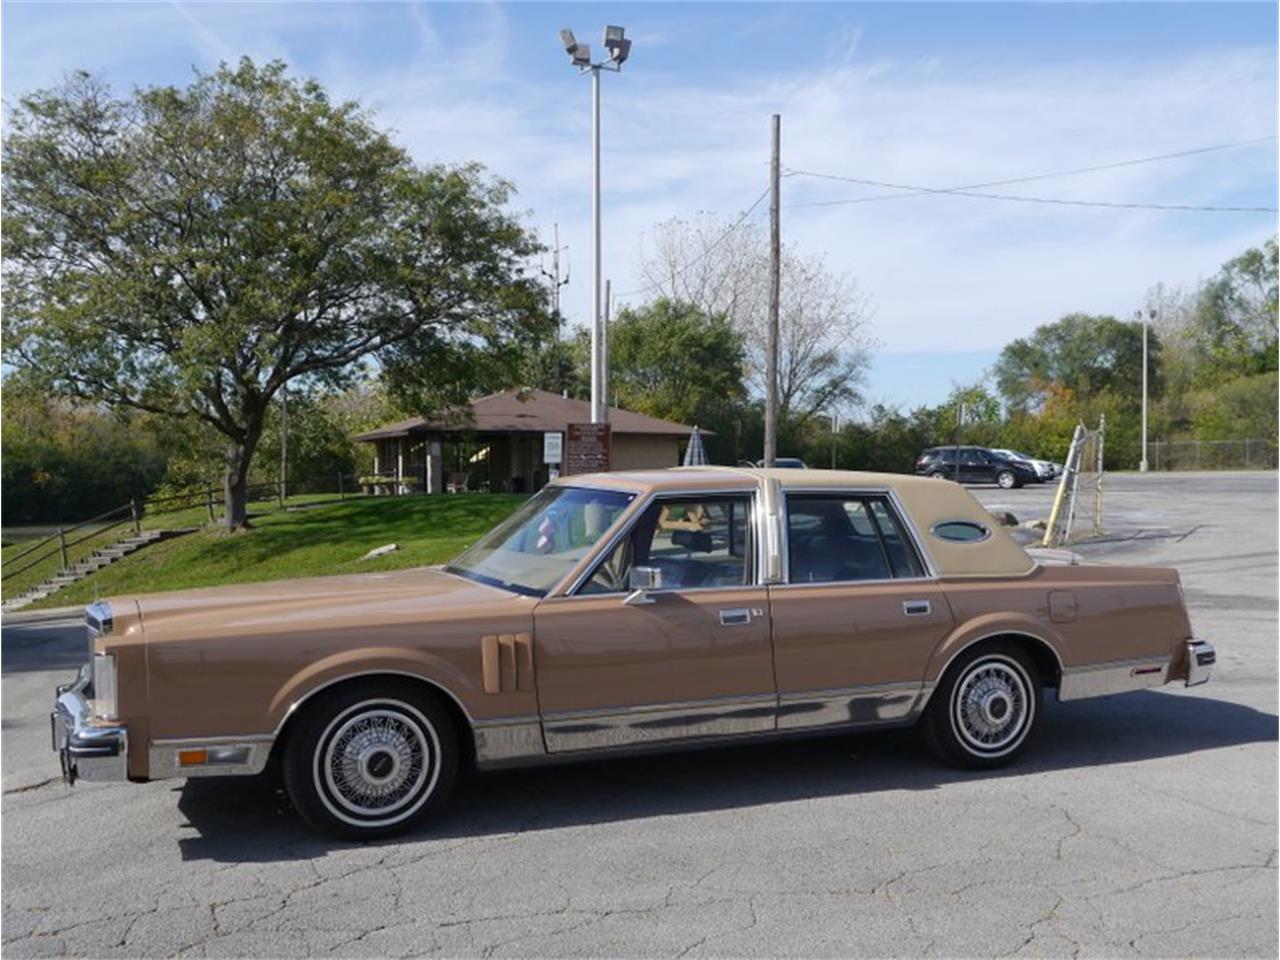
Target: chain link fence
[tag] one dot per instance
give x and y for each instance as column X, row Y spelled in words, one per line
column 1079, row 496
column 1212, row 455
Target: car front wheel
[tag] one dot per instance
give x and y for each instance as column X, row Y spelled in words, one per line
column 986, row 708
column 1007, row 480
column 370, row 759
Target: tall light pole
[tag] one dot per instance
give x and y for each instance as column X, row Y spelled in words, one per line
column 604, row 347
column 619, row 48
column 1144, row 318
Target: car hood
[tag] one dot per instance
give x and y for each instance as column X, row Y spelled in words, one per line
column 418, row 593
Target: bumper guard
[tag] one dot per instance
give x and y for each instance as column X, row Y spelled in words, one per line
column 1200, row 660
column 87, row 749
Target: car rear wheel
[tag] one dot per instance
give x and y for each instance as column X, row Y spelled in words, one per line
column 937, row 475
column 986, row 709
column 370, row 759
column 1007, row 480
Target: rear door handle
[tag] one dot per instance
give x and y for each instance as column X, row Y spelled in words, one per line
column 735, row 617
column 916, row 608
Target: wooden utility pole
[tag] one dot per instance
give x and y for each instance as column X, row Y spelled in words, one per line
column 775, row 282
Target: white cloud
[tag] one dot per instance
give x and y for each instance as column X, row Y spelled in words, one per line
column 946, row 273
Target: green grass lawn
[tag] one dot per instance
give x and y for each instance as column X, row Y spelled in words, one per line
column 24, row 565
column 316, row 541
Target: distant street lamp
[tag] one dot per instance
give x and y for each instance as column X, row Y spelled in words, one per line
column 1143, row 319
column 619, row 48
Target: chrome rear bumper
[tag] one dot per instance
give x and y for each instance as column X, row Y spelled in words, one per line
column 86, row 748
column 1200, row 660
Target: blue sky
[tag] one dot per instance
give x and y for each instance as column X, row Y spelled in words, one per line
column 929, row 94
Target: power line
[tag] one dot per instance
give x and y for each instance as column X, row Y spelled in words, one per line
column 967, row 189
column 1059, row 201
column 705, row 253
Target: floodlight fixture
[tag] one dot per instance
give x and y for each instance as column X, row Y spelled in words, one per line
column 567, row 38
column 581, row 54
column 617, row 44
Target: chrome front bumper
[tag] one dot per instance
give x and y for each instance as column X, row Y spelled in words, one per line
column 1200, row 660
column 88, row 750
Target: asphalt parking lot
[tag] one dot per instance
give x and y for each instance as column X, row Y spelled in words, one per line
column 1140, row 825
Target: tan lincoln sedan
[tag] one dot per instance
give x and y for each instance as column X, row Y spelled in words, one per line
column 622, row 612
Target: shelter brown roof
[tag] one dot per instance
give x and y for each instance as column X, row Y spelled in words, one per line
column 533, row 411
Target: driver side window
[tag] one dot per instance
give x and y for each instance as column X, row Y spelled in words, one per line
column 693, row 541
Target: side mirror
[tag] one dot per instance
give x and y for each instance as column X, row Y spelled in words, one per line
column 642, row 581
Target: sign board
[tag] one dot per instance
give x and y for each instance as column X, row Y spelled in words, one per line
column 588, row 448
column 553, row 447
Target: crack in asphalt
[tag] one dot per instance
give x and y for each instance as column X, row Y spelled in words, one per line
column 1208, row 808
column 1184, row 874
column 1076, row 830
column 33, row 786
column 1048, row 917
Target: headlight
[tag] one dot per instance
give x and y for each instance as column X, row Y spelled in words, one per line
column 104, row 685
column 98, row 623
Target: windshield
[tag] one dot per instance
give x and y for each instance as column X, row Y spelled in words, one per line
column 535, row 547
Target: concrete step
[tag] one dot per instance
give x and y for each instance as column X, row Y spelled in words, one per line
column 91, row 564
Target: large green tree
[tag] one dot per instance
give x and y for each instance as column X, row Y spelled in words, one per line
column 669, row 359
column 67, row 461
column 189, row 252
column 1235, row 328
column 1081, row 354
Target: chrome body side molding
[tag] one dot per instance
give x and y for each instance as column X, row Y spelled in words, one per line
column 508, row 739
column 598, row 729
column 1117, row 676
column 853, row 706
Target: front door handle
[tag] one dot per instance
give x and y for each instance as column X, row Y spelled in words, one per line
column 916, row 608
column 735, row 617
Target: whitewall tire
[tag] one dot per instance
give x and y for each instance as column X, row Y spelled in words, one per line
column 370, row 759
column 986, row 709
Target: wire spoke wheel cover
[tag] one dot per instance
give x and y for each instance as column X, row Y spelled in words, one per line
column 992, row 706
column 376, row 763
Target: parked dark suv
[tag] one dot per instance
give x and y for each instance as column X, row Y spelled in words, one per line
column 977, row 465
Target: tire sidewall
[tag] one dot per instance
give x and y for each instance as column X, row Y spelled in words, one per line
column 943, row 735
column 1006, row 480
column 308, row 787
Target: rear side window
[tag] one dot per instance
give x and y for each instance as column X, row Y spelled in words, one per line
column 835, row 538
column 902, row 556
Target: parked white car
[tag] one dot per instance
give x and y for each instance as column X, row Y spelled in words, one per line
column 1044, row 469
